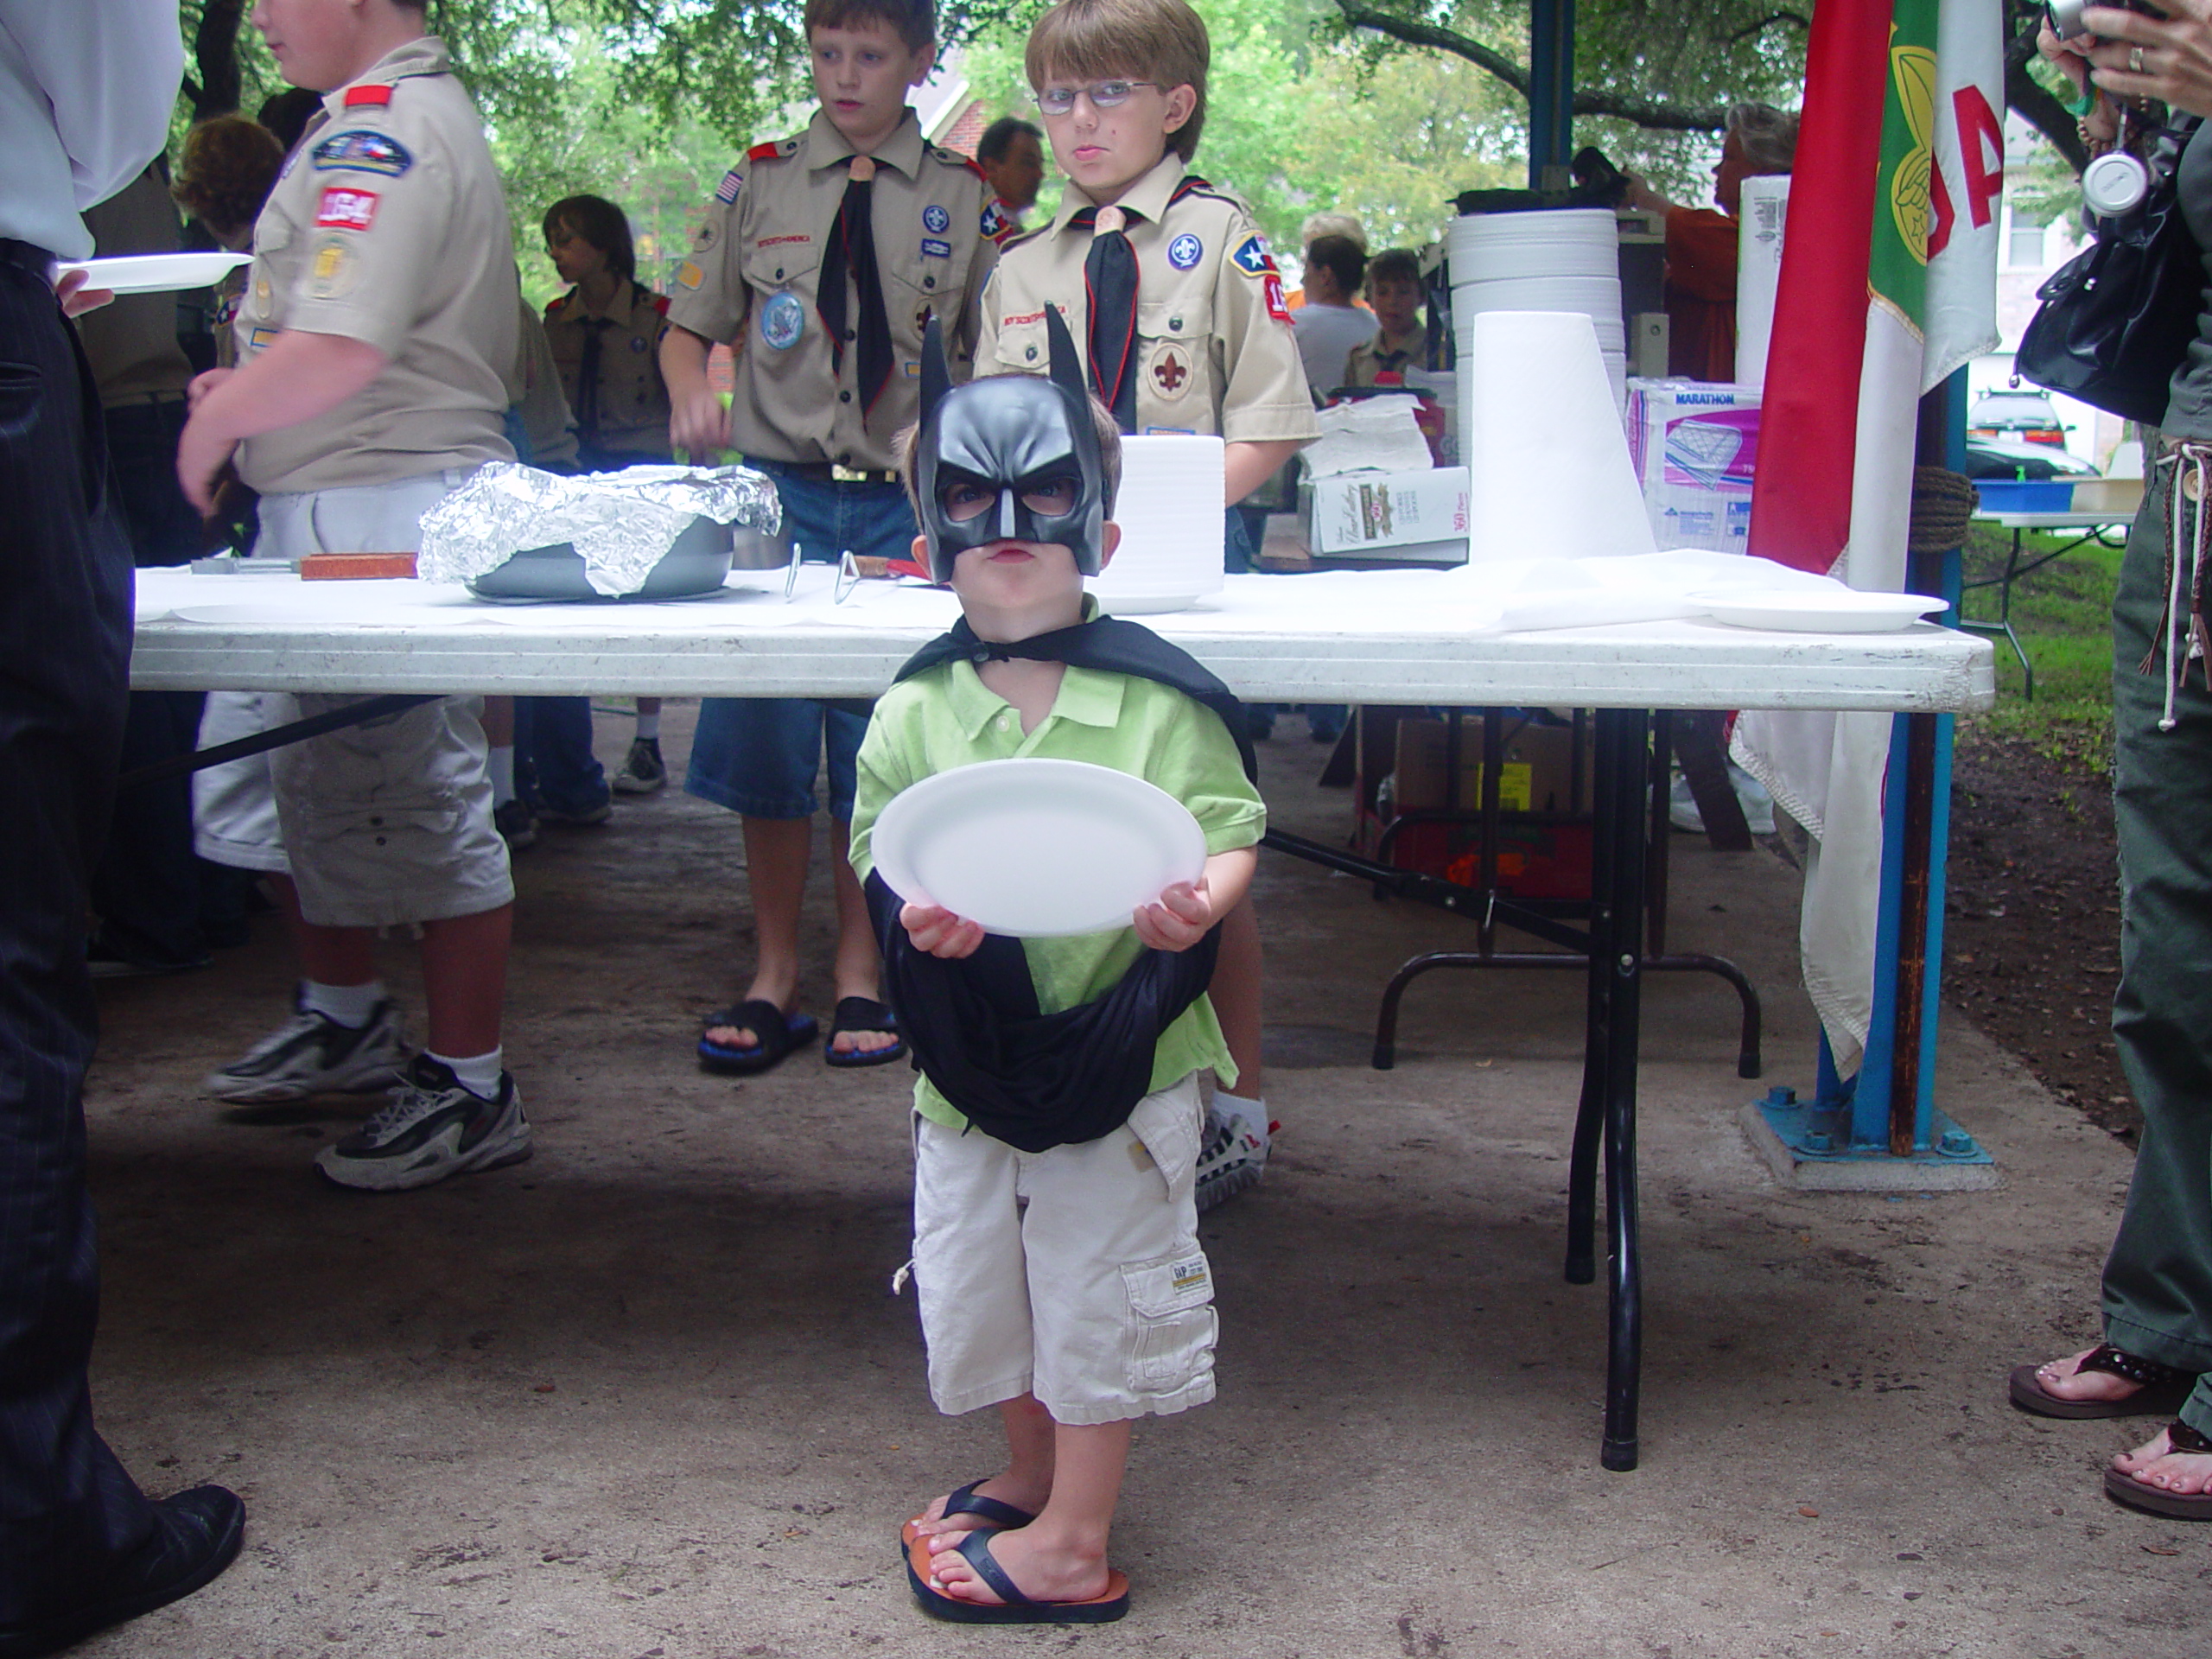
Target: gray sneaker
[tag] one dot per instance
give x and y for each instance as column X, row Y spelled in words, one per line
column 643, row 770
column 313, row 1054
column 1232, row 1156
column 434, row 1127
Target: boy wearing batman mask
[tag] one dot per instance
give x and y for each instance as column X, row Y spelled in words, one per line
column 1057, row 1117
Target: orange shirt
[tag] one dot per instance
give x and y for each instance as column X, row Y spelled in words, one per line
column 1702, row 246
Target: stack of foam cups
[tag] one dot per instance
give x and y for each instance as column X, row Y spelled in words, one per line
column 1563, row 259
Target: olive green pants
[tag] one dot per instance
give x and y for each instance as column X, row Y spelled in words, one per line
column 2158, row 1283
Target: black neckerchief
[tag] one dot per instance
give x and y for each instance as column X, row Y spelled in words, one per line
column 1036, row 1080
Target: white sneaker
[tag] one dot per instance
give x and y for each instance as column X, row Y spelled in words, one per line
column 1232, row 1156
column 643, row 770
column 434, row 1127
column 313, row 1054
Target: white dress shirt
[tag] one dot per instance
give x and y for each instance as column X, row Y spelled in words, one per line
column 86, row 92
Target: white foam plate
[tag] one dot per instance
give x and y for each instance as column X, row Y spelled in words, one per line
column 1143, row 603
column 155, row 273
column 1037, row 849
column 1848, row 612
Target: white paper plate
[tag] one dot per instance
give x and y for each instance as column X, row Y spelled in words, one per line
column 156, row 273
column 1143, row 603
column 1817, row 613
column 1037, row 849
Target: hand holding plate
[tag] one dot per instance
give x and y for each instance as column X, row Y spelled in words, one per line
column 937, row 931
column 1177, row 919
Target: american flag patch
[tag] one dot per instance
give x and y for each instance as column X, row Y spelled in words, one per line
column 732, row 182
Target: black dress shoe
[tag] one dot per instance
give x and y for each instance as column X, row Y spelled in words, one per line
column 196, row 1536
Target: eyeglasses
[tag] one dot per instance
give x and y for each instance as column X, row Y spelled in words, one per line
column 1048, row 498
column 1105, row 95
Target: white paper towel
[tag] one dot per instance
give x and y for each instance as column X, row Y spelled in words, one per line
column 1169, row 508
column 1758, row 272
column 1374, row 434
column 1541, row 436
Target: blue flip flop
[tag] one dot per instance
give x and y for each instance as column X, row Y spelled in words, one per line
column 1014, row 1608
column 857, row 1013
column 966, row 1500
column 776, row 1035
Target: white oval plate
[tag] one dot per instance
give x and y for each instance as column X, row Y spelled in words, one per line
column 1037, row 849
column 155, row 273
column 1850, row 612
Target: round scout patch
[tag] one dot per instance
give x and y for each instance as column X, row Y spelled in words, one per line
column 638, row 344
column 936, row 220
column 1185, row 251
column 1170, row 372
column 783, row 319
column 331, row 268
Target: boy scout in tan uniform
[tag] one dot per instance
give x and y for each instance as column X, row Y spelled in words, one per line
column 827, row 326
column 1214, row 351
column 625, row 419
column 377, row 340
column 753, row 279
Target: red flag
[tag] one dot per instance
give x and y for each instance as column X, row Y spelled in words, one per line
column 1801, row 495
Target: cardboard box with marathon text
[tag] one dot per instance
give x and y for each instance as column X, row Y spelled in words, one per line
column 1537, row 775
column 1394, row 517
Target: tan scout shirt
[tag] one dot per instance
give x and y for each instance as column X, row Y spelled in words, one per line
column 632, row 401
column 1381, row 356
column 1215, row 351
column 388, row 227
column 750, row 281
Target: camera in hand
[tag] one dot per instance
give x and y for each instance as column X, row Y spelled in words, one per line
column 2065, row 15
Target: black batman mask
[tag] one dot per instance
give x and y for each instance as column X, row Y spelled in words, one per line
column 1010, row 457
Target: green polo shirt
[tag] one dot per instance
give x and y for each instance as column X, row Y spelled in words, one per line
column 947, row 717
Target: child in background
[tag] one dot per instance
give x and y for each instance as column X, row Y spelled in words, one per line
column 1057, row 1125
column 822, row 258
column 1400, row 340
column 1175, row 300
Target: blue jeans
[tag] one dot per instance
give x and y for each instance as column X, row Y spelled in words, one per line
column 554, row 766
column 758, row 756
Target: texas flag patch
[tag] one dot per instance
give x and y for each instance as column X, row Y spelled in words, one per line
column 994, row 223
column 1271, row 290
column 1253, row 258
column 732, row 182
column 344, row 209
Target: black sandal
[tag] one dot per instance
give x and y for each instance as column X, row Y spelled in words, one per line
column 775, row 1034
column 857, row 1013
column 2160, row 1388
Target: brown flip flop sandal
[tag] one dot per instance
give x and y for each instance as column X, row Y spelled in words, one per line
column 2160, row 1388
column 2183, row 1506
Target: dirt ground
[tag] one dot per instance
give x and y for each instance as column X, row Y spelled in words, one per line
column 649, row 1396
column 2032, row 945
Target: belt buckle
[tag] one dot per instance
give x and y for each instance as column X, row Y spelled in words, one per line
column 839, row 475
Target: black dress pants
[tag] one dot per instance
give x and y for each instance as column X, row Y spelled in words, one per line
column 69, row 1511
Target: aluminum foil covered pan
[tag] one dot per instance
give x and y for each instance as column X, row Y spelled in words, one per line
column 646, row 532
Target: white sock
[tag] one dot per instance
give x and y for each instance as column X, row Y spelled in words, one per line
column 503, row 775
column 649, row 728
column 478, row 1074
column 349, row 1006
column 1253, row 1111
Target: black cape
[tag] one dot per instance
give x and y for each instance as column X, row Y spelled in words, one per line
column 1031, row 1079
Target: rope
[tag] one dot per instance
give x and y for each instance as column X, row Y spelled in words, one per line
column 1942, row 503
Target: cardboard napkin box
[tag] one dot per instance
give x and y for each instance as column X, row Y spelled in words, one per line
column 1400, row 517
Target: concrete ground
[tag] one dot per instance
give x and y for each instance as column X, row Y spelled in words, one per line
column 649, row 1395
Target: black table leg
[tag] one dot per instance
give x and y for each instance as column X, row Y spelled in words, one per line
column 1615, row 957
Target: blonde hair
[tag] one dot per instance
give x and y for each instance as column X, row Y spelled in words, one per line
column 1317, row 225
column 1159, row 40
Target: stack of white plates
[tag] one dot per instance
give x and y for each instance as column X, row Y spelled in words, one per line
column 1566, row 259
column 1169, row 508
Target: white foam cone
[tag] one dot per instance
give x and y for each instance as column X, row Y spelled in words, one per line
column 1549, row 473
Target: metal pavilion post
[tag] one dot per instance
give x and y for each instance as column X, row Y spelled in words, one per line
column 1551, row 92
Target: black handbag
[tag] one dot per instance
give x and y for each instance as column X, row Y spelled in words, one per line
column 2117, row 319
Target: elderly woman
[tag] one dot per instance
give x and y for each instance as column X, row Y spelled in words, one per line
column 2156, row 1352
column 1702, row 243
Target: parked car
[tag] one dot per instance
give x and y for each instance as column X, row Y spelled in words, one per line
column 2020, row 416
column 2008, row 458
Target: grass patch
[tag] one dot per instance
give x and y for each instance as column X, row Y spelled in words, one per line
column 2063, row 613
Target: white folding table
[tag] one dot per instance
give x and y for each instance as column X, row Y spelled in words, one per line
column 1400, row 637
